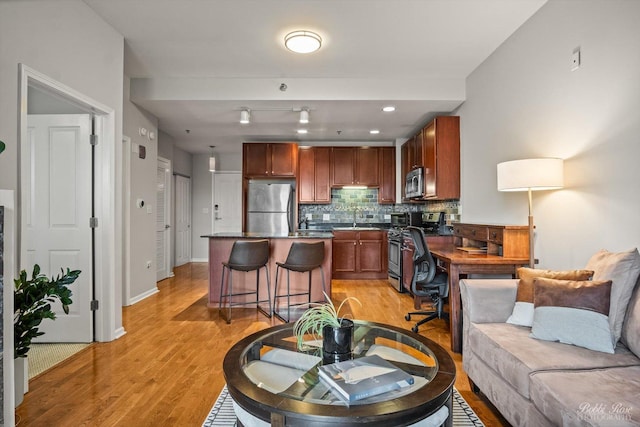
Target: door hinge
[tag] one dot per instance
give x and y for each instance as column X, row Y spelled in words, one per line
column 93, row 222
column 93, row 139
column 94, row 305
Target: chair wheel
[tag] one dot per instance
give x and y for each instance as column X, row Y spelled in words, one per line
column 407, row 317
column 415, row 329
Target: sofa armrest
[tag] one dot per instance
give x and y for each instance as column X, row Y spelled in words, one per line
column 488, row 300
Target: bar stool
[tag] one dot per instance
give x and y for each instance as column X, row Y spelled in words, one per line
column 246, row 255
column 302, row 257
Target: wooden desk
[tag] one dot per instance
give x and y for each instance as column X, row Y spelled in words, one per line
column 458, row 263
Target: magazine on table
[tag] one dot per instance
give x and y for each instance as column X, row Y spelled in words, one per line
column 364, row 377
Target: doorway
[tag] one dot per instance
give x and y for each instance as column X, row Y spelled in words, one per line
column 103, row 203
column 163, row 219
column 227, row 208
column 183, row 220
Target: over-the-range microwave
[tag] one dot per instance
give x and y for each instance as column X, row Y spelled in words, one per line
column 414, row 183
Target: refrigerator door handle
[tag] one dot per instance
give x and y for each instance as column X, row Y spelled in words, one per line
column 290, row 211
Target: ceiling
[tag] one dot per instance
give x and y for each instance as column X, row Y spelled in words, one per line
column 195, row 63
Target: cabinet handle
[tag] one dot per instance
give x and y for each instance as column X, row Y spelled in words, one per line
column 494, row 234
column 354, row 243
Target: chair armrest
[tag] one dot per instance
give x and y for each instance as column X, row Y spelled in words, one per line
column 488, row 300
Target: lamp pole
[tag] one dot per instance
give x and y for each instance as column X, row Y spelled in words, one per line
column 532, row 259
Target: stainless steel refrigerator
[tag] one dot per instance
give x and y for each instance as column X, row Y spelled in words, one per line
column 270, row 207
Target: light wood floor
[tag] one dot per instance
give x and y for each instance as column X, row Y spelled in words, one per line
column 166, row 371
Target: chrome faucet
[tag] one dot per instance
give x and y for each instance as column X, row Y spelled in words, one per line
column 355, row 213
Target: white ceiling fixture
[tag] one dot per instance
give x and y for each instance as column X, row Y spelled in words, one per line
column 304, row 116
column 389, row 108
column 212, row 160
column 302, row 131
column 245, row 116
column 302, row 41
column 374, row 131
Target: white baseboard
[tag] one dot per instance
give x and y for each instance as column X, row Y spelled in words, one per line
column 199, row 260
column 144, row 295
column 120, row 332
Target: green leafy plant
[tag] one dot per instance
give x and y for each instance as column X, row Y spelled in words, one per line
column 32, row 303
column 316, row 317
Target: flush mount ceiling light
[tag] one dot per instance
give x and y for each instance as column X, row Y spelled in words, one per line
column 302, row 131
column 245, row 116
column 304, row 116
column 374, row 131
column 302, row 41
column 389, row 108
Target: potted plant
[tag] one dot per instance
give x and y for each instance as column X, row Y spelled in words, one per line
column 323, row 320
column 32, row 300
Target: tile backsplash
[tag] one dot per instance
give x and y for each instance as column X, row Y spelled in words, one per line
column 363, row 203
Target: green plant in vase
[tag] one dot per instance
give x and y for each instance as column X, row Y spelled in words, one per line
column 32, row 304
column 323, row 320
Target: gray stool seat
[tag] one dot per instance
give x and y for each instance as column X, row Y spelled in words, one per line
column 302, row 258
column 246, row 255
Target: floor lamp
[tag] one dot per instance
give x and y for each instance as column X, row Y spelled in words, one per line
column 530, row 175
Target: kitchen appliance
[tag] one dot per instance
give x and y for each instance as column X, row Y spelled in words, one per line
column 270, row 207
column 415, row 219
column 394, row 266
column 414, row 183
column 399, row 219
column 434, row 223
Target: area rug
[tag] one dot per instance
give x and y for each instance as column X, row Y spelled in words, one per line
column 46, row 356
column 222, row 414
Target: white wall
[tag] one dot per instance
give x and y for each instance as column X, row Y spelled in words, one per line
column 524, row 101
column 142, row 173
column 68, row 42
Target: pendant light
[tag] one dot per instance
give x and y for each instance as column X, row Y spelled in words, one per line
column 212, row 160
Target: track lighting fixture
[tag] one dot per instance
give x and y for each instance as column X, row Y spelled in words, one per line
column 245, row 116
column 304, row 116
column 212, row 160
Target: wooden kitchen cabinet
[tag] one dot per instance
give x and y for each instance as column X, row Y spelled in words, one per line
column 355, row 166
column 387, row 190
column 359, row 254
column 274, row 160
column 436, row 148
column 314, row 180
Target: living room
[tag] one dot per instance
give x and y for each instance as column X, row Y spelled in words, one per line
column 523, row 101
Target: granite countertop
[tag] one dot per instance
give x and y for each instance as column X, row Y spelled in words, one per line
column 301, row 234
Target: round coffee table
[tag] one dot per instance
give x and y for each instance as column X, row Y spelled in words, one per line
column 271, row 380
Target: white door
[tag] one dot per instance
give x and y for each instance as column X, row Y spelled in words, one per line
column 56, row 209
column 227, row 202
column 183, row 220
column 163, row 218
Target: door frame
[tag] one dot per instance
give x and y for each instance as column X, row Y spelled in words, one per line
column 168, row 169
column 176, row 177
column 107, row 195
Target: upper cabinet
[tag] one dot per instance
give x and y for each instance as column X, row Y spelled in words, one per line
column 314, row 182
column 387, row 190
column 355, row 166
column 436, row 148
column 276, row 160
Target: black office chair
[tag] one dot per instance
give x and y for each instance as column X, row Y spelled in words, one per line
column 426, row 280
column 246, row 255
column 303, row 258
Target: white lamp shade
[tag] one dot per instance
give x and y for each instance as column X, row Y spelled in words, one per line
column 534, row 174
column 212, row 164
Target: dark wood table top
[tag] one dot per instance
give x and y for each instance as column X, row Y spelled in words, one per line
column 435, row 374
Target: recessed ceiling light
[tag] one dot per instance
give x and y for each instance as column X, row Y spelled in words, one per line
column 374, row 131
column 302, row 131
column 302, row 41
column 388, row 108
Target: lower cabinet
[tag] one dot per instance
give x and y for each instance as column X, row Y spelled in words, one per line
column 360, row 254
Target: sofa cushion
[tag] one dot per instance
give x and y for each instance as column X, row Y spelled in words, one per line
column 623, row 269
column 631, row 326
column 523, row 309
column 509, row 350
column 599, row 397
column 573, row 312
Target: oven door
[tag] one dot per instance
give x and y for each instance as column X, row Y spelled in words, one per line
column 395, row 264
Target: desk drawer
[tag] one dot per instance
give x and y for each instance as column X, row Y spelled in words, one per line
column 470, row 231
column 495, row 234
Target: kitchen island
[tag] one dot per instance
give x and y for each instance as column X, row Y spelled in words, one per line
column 220, row 245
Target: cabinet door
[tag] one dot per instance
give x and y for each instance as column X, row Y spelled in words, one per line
column 418, row 150
column 254, row 160
column 323, row 174
column 307, row 175
column 429, row 151
column 387, row 190
column 343, row 165
column 367, row 166
column 404, row 167
column 344, row 255
column 370, row 256
column 283, row 159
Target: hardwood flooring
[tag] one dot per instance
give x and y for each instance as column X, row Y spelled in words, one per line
column 166, row 370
